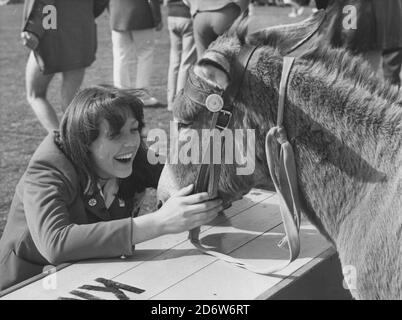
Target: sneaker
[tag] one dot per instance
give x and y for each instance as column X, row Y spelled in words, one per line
column 300, row 11
column 152, row 102
column 314, row 10
column 292, row 14
column 149, row 101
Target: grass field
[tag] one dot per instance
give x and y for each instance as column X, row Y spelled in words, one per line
column 20, row 132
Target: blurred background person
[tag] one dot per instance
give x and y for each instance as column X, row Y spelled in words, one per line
column 376, row 33
column 62, row 40
column 389, row 16
column 211, row 18
column 297, row 9
column 133, row 24
column 321, row 4
column 183, row 52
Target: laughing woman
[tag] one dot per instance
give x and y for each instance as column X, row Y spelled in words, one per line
column 80, row 195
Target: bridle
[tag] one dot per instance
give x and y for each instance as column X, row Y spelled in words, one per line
column 221, row 104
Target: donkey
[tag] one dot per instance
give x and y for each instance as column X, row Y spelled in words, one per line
column 345, row 126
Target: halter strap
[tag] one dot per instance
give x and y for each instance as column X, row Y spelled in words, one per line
column 209, row 173
column 286, row 187
column 208, row 180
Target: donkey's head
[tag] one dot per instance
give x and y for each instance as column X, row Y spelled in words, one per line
column 243, row 162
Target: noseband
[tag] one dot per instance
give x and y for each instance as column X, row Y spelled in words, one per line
column 221, row 103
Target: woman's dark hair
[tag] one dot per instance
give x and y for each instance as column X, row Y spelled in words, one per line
column 79, row 126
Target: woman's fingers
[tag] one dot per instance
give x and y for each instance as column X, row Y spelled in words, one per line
column 191, row 198
column 207, row 216
column 205, row 206
column 29, row 40
column 196, row 198
column 24, row 38
column 191, row 210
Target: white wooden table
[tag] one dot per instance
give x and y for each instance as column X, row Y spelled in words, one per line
column 169, row 267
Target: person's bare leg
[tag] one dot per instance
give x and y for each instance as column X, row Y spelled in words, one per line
column 71, row 83
column 36, row 87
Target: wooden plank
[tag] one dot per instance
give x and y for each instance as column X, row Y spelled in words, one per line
column 183, row 259
column 170, row 267
column 220, row 280
column 79, row 273
column 36, row 278
column 326, row 254
column 320, row 279
column 186, row 275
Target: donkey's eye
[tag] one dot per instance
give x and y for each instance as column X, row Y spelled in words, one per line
column 183, row 125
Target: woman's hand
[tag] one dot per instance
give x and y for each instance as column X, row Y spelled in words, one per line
column 184, row 212
column 29, row 40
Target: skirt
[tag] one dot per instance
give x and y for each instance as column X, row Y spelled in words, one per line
column 73, row 43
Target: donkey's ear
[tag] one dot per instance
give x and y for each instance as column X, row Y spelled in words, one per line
column 214, row 67
column 285, row 37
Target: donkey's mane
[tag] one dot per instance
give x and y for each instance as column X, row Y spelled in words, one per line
column 339, row 66
column 379, row 101
column 344, row 66
column 337, row 61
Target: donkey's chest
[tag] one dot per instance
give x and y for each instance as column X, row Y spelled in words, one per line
column 370, row 238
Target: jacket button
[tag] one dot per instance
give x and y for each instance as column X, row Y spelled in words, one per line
column 92, row 202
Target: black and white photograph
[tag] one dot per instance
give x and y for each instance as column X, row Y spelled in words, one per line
column 199, row 155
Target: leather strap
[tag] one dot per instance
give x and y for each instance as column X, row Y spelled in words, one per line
column 286, row 187
column 209, row 173
column 299, row 44
column 195, row 93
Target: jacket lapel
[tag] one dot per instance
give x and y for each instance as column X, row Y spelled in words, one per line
column 95, row 205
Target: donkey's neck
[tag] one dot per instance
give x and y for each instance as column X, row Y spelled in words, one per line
column 345, row 141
